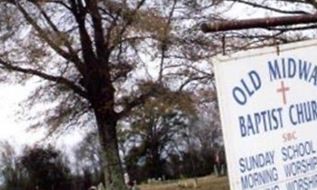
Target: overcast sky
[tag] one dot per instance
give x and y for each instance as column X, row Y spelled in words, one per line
column 10, row 127
column 13, row 129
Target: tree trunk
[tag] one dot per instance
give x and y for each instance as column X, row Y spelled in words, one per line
column 156, row 163
column 101, row 94
column 112, row 166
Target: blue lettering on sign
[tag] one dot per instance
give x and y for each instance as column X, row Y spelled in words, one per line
column 304, row 69
column 303, row 112
column 303, row 183
column 247, row 88
column 260, row 160
column 286, row 68
column 302, row 149
column 263, row 121
column 290, row 68
column 300, row 167
column 255, row 179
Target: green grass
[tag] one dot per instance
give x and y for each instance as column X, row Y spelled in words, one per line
column 204, row 183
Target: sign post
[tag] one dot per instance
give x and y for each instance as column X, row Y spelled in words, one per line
column 268, row 105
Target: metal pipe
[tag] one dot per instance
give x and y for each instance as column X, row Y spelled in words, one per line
column 258, row 23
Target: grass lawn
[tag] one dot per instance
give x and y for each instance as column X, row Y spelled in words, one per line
column 204, row 183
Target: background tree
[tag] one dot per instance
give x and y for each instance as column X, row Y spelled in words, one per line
column 46, row 168
column 155, row 132
column 13, row 175
column 36, row 167
column 88, row 159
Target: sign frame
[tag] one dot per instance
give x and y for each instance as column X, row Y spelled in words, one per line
column 224, row 105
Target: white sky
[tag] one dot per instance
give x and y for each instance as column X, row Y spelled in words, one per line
column 10, row 128
column 14, row 130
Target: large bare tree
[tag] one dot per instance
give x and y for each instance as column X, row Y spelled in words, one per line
column 88, row 56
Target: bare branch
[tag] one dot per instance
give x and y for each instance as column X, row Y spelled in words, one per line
column 80, row 15
column 56, row 79
column 129, row 106
column 165, row 40
column 151, row 90
column 98, row 30
column 256, row 5
column 43, row 34
column 56, row 30
column 130, row 20
column 191, row 79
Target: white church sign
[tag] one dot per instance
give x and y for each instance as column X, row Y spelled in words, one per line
column 268, row 105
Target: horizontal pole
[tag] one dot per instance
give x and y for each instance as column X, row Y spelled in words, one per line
column 258, row 23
